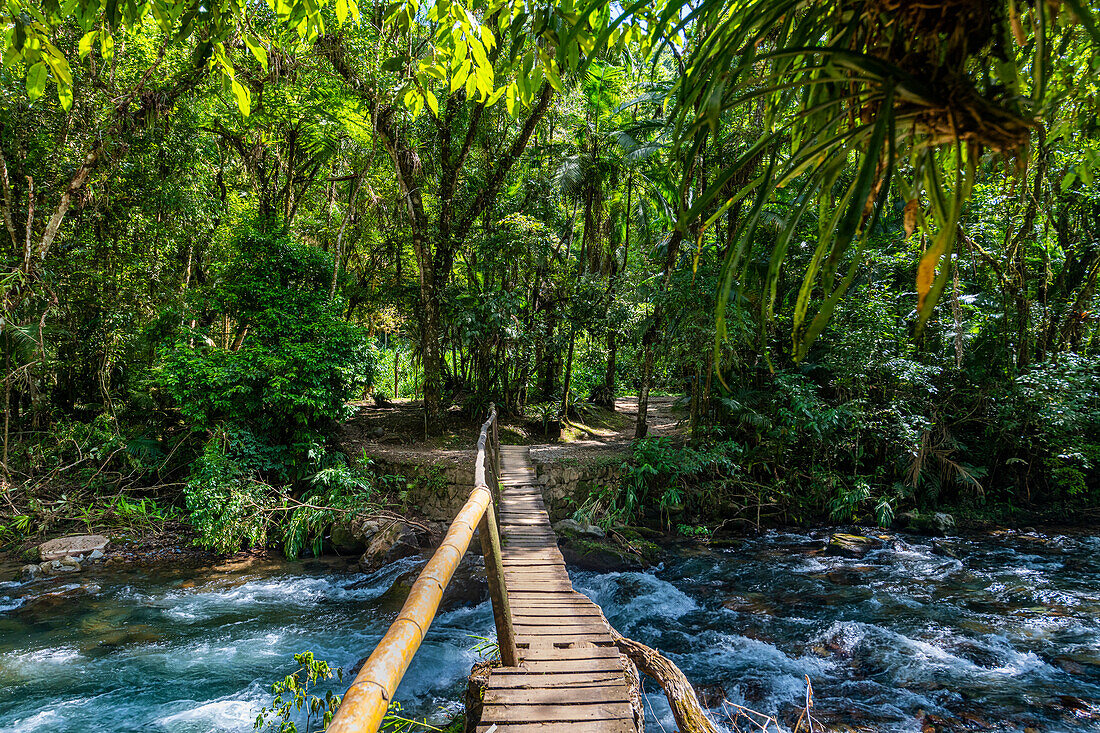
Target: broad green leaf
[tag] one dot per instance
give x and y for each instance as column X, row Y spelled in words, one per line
column 433, row 103
column 244, row 97
column 36, row 80
column 86, row 41
column 257, row 50
column 65, row 96
column 460, row 76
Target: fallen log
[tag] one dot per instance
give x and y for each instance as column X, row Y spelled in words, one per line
column 686, row 709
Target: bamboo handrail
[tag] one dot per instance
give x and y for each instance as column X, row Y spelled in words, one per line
column 369, row 697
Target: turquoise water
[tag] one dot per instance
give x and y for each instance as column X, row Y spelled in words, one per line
column 187, row 653
column 1004, row 636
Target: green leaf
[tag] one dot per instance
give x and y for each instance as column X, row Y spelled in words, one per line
column 433, row 103
column 86, row 41
column 36, row 80
column 244, row 97
column 257, row 50
column 393, row 63
column 341, row 11
column 65, row 96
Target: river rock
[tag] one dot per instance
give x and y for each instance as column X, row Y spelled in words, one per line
column 944, row 550
column 851, row 545
column 847, row 576
column 75, row 546
column 31, row 572
column 571, row 526
column 351, row 537
column 393, row 542
column 756, row 603
column 599, row 555
column 60, row 567
column 937, row 523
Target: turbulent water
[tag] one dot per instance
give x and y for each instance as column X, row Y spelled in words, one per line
column 1003, row 636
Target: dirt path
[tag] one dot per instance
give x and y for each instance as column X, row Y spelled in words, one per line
column 395, row 433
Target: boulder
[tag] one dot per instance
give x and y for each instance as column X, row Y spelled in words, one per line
column 59, row 567
column 936, row 523
column 31, row 572
column 351, row 537
column 393, row 542
column 941, row 548
column 76, row 546
column 600, row 556
column 573, row 527
column 851, row 545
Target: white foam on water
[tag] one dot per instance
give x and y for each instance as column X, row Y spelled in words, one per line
column 635, row 598
column 204, row 603
column 908, row 660
column 45, row 720
column 38, row 657
column 227, row 714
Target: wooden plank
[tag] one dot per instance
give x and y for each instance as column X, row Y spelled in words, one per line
column 547, row 637
column 574, row 713
column 607, row 693
column 541, row 611
column 588, row 652
column 567, row 627
column 560, row 681
column 546, row 582
column 564, row 597
column 602, row 726
column 571, row 665
column 571, row 616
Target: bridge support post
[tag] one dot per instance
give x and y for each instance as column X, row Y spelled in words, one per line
column 498, row 594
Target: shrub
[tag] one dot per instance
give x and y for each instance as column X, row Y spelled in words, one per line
column 265, row 391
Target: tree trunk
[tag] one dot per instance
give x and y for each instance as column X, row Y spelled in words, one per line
column 568, row 376
column 641, row 427
column 607, row 399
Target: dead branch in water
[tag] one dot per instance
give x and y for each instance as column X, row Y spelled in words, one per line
column 686, row 709
column 689, row 713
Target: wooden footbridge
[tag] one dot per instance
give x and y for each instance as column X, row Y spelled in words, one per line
column 560, row 668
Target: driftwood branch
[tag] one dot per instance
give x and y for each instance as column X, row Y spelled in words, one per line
column 686, row 709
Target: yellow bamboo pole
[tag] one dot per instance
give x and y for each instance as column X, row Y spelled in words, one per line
column 369, row 697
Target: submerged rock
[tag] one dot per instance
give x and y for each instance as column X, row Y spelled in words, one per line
column 852, row 545
column 758, row 603
column 944, row 550
column 59, row 567
column 847, row 576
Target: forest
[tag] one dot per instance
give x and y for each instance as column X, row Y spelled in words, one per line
column 784, row 312
column 859, row 241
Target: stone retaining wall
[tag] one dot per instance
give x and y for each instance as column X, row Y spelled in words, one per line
column 437, row 493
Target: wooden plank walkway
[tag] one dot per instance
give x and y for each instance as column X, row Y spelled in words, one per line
column 569, row 677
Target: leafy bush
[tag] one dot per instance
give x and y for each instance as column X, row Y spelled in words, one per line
column 1052, row 413
column 264, row 390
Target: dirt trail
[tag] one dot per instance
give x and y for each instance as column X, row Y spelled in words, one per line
column 395, row 433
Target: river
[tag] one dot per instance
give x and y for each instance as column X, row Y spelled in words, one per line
column 1003, row 636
